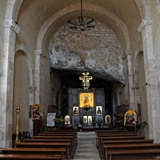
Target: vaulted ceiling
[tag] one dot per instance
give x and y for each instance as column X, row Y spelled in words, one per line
column 36, row 12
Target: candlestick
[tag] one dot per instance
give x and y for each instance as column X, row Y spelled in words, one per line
column 17, row 123
column 18, row 108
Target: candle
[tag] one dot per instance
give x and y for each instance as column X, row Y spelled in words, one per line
column 18, row 107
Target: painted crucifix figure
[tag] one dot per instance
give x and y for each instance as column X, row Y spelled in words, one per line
column 85, row 80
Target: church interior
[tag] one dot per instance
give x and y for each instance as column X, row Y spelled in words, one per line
column 90, row 64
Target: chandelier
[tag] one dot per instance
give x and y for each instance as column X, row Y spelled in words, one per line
column 81, row 23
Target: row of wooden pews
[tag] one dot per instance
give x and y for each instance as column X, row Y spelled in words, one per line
column 119, row 144
column 57, row 145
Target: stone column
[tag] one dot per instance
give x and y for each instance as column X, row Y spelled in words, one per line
column 130, row 79
column 32, row 92
column 38, row 55
column 145, row 29
column 6, row 95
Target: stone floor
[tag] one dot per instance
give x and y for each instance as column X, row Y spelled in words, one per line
column 86, row 149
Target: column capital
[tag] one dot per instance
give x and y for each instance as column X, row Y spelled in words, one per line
column 143, row 24
column 135, row 86
column 126, row 54
column 33, row 88
column 1, row 74
column 40, row 52
column 10, row 23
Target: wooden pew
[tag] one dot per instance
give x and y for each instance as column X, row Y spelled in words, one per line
column 30, row 157
column 72, row 148
column 100, row 139
column 34, row 151
column 142, row 158
column 108, row 141
column 66, row 145
column 62, row 130
column 126, row 141
column 127, row 154
column 46, row 140
column 140, row 146
column 120, row 137
column 116, row 134
column 57, row 135
column 100, row 135
column 111, row 131
column 72, row 137
column 60, row 134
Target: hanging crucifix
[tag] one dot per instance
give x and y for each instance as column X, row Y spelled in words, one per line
column 85, row 80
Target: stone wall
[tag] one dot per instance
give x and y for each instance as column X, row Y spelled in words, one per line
column 97, row 50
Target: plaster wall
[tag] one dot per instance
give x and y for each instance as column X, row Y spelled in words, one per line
column 21, row 92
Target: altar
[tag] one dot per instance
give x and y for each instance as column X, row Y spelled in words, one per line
column 87, row 107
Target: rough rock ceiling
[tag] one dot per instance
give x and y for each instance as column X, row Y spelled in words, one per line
column 97, row 51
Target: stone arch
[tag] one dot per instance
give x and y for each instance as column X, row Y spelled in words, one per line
column 75, row 7
column 12, row 9
column 22, row 47
column 89, row 7
column 21, row 83
column 136, row 78
column 143, row 6
column 27, row 54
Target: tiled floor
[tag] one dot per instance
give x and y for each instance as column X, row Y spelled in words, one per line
column 86, row 149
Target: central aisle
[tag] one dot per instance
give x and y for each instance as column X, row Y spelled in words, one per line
column 86, row 149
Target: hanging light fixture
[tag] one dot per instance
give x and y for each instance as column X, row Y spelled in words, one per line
column 81, row 23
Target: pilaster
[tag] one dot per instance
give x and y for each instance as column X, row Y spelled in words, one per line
column 145, row 29
column 6, row 96
column 38, row 56
column 127, row 56
column 130, row 80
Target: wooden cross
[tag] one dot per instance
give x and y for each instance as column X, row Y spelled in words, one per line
column 85, row 80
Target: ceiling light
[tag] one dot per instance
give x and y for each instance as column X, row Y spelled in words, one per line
column 81, row 23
